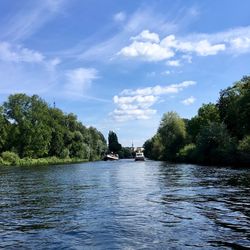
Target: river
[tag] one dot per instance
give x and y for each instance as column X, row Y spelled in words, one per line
column 124, row 205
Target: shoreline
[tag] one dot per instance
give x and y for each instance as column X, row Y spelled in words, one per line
column 28, row 162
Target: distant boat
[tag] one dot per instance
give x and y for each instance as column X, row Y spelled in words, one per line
column 139, row 157
column 111, row 157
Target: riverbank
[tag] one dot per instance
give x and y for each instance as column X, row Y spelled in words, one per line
column 39, row 161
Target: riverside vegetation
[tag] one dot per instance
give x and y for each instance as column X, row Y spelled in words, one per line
column 33, row 133
column 218, row 134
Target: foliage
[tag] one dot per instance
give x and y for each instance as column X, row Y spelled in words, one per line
column 218, row 134
column 234, row 107
column 113, row 144
column 172, row 133
column 32, row 129
column 125, row 153
column 187, row 153
column 244, row 149
column 148, row 148
column 214, row 145
column 244, row 144
column 3, row 130
column 10, row 158
column 206, row 114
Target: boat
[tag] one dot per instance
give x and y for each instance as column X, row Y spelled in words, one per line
column 111, row 157
column 139, row 157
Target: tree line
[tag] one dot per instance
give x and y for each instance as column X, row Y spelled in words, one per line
column 31, row 129
column 218, row 134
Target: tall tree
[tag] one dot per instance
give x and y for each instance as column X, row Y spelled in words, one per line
column 29, row 118
column 207, row 113
column 234, row 107
column 4, row 127
column 114, row 145
column 172, row 134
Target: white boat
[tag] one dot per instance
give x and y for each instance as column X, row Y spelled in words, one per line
column 111, row 157
column 139, row 157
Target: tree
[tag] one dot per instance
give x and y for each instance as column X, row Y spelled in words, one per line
column 234, row 107
column 113, row 144
column 215, row 146
column 244, row 149
column 4, row 127
column 206, row 114
column 148, row 148
column 172, row 133
column 29, row 118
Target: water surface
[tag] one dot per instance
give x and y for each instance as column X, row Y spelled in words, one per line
column 124, row 205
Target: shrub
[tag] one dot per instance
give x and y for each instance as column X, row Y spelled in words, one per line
column 64, row 154
column 187, row 153
column 10, row 157
column 244, row 145
column 244, row 149
column 215, row 146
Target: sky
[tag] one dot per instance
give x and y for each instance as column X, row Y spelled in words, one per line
column 120, row 65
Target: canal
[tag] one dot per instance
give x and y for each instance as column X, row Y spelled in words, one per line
column 124, row 205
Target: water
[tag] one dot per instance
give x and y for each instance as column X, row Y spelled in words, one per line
column 124, row 205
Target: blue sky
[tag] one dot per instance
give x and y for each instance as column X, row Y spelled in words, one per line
column 119, row 65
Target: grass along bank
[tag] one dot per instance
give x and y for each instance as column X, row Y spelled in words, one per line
column 12, row 159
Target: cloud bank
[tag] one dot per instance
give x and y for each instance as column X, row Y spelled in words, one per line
column 136, row 104
column 148, row 46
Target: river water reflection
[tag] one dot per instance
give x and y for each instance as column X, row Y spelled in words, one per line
column 124, row 205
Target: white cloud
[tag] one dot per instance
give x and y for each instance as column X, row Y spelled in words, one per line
column 189, row 101
column 146, row 35
column 133, row 102
column 149, row 47
column 136, row 104
column 174, row 63
column 240, row 43
column 147, row 51
column 120, row 16
column 158, row 90
column 107, row 50
column 10, row 53
column 132, row 114
column 204, row 48
column 79, row 80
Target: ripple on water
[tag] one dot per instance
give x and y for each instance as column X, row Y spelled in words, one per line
column 125, row 205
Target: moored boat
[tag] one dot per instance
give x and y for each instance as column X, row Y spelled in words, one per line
column 139, row 157
column 111, row 157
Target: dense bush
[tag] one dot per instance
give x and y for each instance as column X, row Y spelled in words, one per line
column 214, row 145
column 244, row 149
column 10, row 158
column 188, row 153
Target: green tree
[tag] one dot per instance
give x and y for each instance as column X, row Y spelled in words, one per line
column 206, row 114
column 58, row 130
column 244, row 149
column 148, row 148
column 215, row 146
column 29, row 118
column 4, row 129
column 234, row 107
column 172, row 133
column 113, row 144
